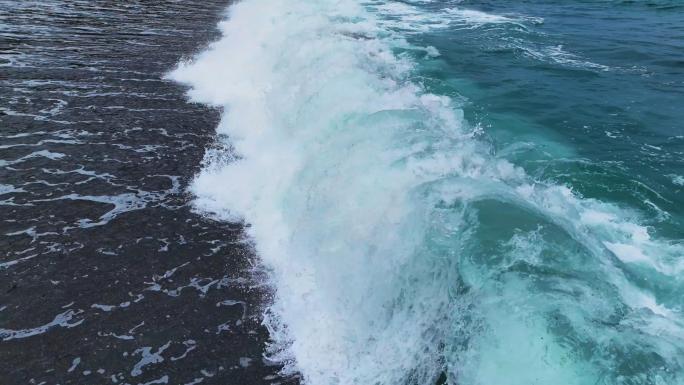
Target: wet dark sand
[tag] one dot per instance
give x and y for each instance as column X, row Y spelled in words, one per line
column 106, row 274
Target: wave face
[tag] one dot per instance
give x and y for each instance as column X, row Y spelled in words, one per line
column 402, row 248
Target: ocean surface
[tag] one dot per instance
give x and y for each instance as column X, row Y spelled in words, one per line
column 378, row 192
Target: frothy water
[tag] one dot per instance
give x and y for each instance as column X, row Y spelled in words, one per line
column 402, row 247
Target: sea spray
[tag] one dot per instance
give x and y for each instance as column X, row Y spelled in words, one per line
column 399, row 245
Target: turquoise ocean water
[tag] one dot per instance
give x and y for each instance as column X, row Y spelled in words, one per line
column 469, row 192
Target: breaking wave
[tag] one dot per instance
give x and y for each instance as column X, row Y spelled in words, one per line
column 402, row 248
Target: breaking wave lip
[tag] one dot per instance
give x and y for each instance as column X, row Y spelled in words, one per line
column 382, row 217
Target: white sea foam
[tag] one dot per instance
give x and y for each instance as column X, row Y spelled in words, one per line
column 557, row 54
column 62, row 320
column 362, row 192
column 412, row 18
column 677, row 179
column 8, row 189
column 36, row 154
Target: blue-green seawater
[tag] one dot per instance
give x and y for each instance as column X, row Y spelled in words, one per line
column 590, row 95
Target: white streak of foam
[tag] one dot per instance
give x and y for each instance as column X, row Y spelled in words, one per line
column 410, row 18
column 61, row 319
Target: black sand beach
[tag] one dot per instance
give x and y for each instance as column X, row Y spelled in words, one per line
column 106, row 274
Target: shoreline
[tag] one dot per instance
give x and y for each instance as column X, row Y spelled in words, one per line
column 124, row 284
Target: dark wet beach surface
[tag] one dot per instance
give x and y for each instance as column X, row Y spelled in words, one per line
column 106, row 274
